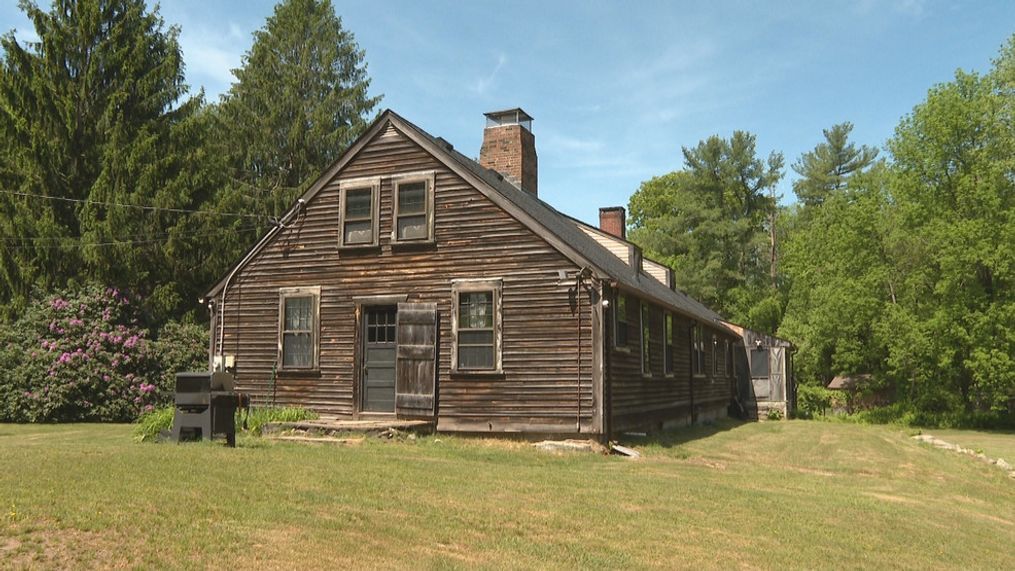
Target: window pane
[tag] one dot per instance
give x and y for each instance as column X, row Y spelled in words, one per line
column 475, row 310
column 412, row 228
column 475, row 357
column 476, row 338
column 412, row 198
column 357, row 203
column 759, row 363
column 298, row 313
column 296, row 350
column 359, row 232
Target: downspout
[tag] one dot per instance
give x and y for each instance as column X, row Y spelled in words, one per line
column 300, row 204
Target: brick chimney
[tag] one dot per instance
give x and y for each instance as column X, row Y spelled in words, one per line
column 509, row 147
column 613, row 220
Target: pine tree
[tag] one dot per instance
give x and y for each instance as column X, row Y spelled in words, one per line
column 93, row 114
column 828, row 167
column 710, row 221
column 300, row 98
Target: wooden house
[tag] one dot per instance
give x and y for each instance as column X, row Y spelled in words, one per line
column 411, row 281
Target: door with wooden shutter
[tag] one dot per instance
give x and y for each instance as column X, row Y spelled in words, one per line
column 416, row 365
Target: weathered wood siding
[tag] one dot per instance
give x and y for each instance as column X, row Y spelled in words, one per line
column 539, row 389
column 641, row 400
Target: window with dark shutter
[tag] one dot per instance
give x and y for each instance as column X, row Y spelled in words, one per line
column 476, row 325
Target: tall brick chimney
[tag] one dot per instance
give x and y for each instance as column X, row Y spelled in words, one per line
column 613, row 220
column 509, row 147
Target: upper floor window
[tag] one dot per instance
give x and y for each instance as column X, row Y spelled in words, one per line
column 620, row 321
column 297, row 335
column 668, row 344
column 476, row 325
column 697, row 351
column 358, row 212
column 413, row 208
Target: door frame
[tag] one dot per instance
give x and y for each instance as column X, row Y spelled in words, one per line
column 362, row 304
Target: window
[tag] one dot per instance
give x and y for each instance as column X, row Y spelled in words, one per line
column 668, row 344
column 620, row 326
column 646, row 341
column 759, row 362
column 358, row 212
column 476, row 325
column 697, row 352
column 297, row 339
column 413, row 204
column 715, row 356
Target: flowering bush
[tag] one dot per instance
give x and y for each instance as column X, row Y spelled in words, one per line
column 80, row 355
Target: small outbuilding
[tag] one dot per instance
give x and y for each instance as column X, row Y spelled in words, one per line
column 763, row 366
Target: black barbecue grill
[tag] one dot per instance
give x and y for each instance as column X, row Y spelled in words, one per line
column 206, row 406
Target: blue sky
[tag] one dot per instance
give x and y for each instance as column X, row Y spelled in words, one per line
column 617, row 88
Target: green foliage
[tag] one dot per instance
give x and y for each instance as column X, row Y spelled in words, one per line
column 826, row 170
column 300, row 98
column 178, row 347
column 96, row 111
column 152, row 423
column 259, row 416
column 711, row 221
column 774, row 414
column 79, row 355
column 813, row 401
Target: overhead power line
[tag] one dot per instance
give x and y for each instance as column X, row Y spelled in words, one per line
column 137, row 206
column 77, row 243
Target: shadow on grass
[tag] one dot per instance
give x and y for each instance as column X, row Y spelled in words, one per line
column 676, row 437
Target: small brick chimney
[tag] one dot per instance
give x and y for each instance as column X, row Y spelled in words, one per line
column 509, row 147
column 613, row 220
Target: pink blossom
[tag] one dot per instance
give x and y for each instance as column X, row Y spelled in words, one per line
column 131, row 341
column 146, row 388
column 105, row 378
column 148, row 408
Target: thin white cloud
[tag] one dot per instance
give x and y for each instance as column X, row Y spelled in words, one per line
column 483, row 84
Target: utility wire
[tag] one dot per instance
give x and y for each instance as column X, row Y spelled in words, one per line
column 138, row 206
column 74, row 242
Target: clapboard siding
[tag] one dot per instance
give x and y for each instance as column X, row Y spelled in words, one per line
column 645, row 400
column 474, row 239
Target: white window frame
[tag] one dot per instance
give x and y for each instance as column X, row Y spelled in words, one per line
column 495, row 285
column 315, row 337
column 374, row 185
column 428, row 178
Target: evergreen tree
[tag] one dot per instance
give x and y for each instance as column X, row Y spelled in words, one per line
column 710, row 222
column 94, row 116
column 300, row 98
column 828, row 167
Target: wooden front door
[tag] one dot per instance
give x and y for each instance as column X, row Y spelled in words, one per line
column 379, row 344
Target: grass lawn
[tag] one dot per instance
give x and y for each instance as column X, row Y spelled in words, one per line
column 777, row 494
column 996, row 444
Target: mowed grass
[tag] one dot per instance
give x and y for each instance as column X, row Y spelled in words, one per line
column 764, row 495
column 996, row 444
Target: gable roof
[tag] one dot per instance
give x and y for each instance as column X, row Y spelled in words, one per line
column 561, row 231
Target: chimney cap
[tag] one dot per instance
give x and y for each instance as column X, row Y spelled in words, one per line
column 513, row 116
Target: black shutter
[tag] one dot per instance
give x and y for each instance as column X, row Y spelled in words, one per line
column 416, row 366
